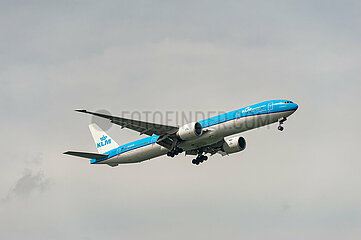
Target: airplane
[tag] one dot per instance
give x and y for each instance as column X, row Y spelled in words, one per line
column 208, row 136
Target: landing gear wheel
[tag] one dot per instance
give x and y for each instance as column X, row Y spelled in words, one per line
column 202, row 158
column 281, row 121
column 174, row 152
column 195, row 161
column 171, row 154
column 199, row 159
column 177, row 151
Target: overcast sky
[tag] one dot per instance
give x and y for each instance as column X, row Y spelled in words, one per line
column 57, row 56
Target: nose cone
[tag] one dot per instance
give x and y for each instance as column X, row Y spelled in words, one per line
column 294, row 106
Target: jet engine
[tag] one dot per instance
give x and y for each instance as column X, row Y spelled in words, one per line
column 190, row 131
column 233, row 145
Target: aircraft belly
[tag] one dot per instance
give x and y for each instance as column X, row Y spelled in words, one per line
column 138, row 155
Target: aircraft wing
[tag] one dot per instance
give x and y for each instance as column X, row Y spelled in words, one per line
column 164, row 131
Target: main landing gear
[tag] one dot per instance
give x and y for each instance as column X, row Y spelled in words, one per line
column 174, row 152
column 280, row 122
column 200, row 158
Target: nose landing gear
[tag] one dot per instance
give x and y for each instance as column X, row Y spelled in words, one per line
column 280, row 122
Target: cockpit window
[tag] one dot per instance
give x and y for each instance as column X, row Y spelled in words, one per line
column 288, row 102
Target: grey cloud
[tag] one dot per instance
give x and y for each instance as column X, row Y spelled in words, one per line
column 31, row 182
column 35, row 159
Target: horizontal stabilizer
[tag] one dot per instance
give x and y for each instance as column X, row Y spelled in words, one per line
column 87, row 155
